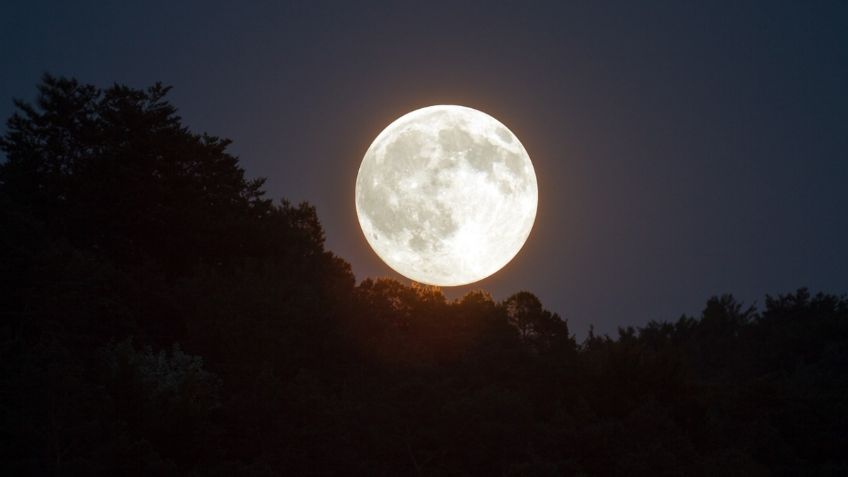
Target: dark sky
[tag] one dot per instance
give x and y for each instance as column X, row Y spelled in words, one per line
column 682, row 149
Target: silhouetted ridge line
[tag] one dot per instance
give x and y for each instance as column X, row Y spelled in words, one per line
column 161, row 317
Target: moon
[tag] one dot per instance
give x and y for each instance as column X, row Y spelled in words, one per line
column 446, row 195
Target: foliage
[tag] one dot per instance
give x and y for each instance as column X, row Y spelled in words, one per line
column 160, row 317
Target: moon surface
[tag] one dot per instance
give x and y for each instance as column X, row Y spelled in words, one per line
column 446, row 195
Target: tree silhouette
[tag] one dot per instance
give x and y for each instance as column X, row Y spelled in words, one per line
column 535, row 325
column 160, row 316
column 115, row 170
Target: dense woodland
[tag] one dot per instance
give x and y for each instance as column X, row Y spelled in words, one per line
column 161, row 316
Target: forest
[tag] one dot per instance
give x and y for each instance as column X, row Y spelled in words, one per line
column 162, row 316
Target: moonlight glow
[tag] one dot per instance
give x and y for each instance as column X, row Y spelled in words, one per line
column 446, row 195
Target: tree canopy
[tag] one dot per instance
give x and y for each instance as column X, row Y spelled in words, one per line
column 161, row 316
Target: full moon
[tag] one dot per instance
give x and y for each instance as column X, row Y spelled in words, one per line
column 446, row 195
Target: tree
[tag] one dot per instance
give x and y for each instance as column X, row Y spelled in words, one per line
column 115, row 171
column 128, row 239
column 536, row 325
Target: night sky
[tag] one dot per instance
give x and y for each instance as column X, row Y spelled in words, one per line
column 682, row 150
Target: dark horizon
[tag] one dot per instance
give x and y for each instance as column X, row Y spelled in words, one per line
column 679, row 148
column 164, row 312
column 160, row 317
